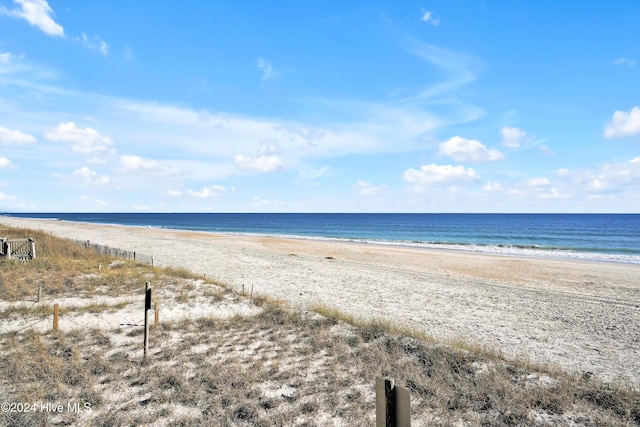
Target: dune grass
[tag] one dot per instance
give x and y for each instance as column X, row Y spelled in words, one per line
column 281, row 367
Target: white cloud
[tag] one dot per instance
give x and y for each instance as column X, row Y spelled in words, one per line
column 92, row 177
column 624, row 61
column 135, row 163
column 37, row 13
column 211, row 191
column 428, row 17
column 15, row 137
column 4, row 162
column 128, row 53
column 468, row 150
column 259, row 164
column 623, row 124
column 562, row 172
column 5, row 57
column 440, row 174
column 4, row 196
column 365, row 188
column 268, row 72
column 84, row 140
column 174, row 193
column 513, row 137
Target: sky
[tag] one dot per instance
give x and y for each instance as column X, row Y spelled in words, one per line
column 324, row 106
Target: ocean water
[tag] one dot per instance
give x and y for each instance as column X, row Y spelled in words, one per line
column 597, row 237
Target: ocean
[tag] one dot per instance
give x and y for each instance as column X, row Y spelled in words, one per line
column 597, row 237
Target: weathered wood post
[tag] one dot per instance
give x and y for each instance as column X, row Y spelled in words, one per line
column 147, row 307
column 39, row 292
column 56, row 310
column 8, row 250
column 32, row 248
column 393, row 408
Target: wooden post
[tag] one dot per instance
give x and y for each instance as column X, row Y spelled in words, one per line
column 251, row 300
column 8, row 250
column 56, row 310
column 393, row 408
column 39, row 292
column 157, row 317
column 147, row 306
column 32, row 248
column 151, row 261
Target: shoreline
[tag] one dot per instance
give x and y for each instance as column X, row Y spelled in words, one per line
column 583, row 316
column 518, row 251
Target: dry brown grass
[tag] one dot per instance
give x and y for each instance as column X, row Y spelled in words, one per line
column 281, row 367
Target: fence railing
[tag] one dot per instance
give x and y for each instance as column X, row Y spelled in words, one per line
column 116, row 252
column 22, row 249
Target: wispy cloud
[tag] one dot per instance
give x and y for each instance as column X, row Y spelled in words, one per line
column 365, row 188
column 460, row 68
column 95, row 43
column 268, row 72
column 138, row 164
column 427, row 16
column 624, row 61
column 15, row 137
column 260, row 163
column 211, row 191
column 546, row 150
column 260, row 202
column 37, row 13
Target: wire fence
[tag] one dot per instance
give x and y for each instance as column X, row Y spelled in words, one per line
column 116, row 252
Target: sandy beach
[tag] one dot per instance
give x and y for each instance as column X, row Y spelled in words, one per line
column 582, row 316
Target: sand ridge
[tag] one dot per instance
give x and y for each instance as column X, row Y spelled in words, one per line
column 583, row 316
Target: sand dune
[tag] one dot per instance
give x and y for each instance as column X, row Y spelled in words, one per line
column 583, row 316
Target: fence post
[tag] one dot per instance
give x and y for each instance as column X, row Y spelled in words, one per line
column 8, row 249
column 39, row 292
column 393, row 408
column 55, row 316
column 32, row 248
column 147, row 306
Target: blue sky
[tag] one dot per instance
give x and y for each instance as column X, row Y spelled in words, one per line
column 332, row 106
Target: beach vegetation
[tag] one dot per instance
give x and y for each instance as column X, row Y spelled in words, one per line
column 266, row 364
